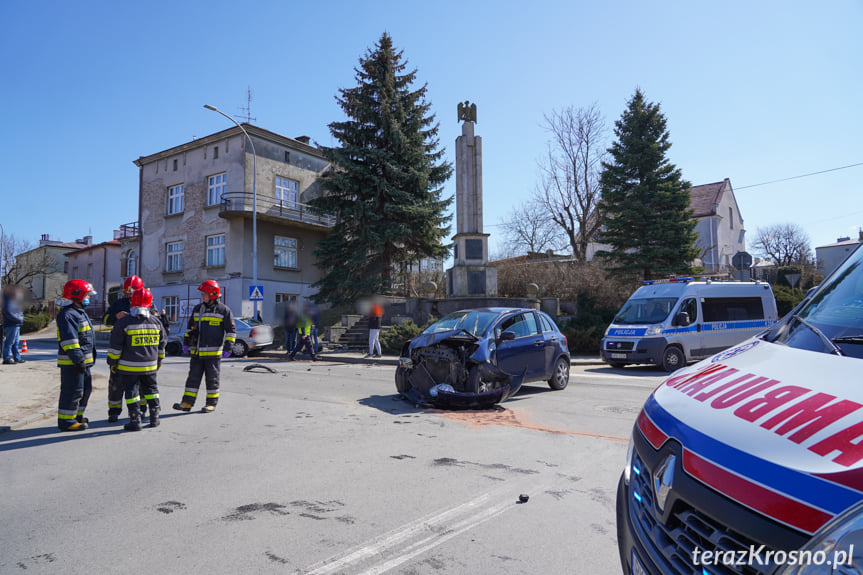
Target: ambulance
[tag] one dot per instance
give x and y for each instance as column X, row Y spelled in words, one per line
column 673, row 322
column 751, row 461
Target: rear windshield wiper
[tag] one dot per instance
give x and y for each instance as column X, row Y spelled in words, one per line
column 852, row 339
column 827, row 341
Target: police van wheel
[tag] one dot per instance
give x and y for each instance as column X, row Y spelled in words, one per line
column 672, row 359
column 402, row 384
column 239, row 349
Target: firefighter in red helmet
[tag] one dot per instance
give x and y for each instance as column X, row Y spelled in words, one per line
column 117, row 311
column 209, row 337
column 135, row 354
column 76, row 353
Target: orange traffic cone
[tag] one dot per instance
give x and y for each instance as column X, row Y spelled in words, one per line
column 24, row 346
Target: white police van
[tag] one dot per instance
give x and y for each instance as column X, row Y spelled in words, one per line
column 672, row 322
column 751, row 461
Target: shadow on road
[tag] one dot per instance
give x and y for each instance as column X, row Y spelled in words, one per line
column 629, row 371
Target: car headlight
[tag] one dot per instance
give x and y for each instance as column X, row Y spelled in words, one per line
column 627, row 469
column 653, row 330
column 835, row 548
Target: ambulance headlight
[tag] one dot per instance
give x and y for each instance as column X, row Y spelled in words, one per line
column 627, row 470
column 834, row 548
column 653, row 330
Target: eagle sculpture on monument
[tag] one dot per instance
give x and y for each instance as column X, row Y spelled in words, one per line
column 467, row 112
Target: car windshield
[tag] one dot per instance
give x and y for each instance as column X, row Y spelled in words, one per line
column 832, row 320
column 645, row 310
column 475, row 322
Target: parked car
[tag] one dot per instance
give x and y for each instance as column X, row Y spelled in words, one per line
column 479, row 357
column 252, row 336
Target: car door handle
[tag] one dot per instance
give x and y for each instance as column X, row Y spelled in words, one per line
column 539, row 342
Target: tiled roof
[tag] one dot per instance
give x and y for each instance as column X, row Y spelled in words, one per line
column 705, row 198
column 94, row 246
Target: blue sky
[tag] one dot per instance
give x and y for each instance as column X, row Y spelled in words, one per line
column 753, row 91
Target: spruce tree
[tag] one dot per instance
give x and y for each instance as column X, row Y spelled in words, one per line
column 386, row 181
column 645, row 202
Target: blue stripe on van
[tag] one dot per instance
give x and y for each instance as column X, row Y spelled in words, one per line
column 630, row 332
column 729, row 325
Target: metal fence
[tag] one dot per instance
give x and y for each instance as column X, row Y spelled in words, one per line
column 243, row 202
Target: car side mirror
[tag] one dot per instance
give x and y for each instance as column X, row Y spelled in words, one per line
column 681, row 319
column 507, row 336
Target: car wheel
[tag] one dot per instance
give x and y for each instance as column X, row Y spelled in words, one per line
column 173, row 348
column 560, row 376
column 239, row 349
column 402, row 384
column 673, row 359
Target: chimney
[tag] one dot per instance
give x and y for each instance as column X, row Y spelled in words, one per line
column 45, row 239
column 840, row 240
column 303, row 139
column 88, row 240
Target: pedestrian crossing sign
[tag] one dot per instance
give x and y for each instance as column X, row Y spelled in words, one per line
column 256, row 293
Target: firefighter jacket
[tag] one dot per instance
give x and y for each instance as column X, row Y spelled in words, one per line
column 211, row 330
column 121, row 304
column 77, row 341
column 137, row 343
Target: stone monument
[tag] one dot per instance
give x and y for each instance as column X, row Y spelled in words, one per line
column 470, row 274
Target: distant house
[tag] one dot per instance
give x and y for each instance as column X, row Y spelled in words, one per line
column 98, row 264
column 830, row 256
column 46, row 267
column 719, row 225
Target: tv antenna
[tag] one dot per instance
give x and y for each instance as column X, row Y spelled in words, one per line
column 247, row 109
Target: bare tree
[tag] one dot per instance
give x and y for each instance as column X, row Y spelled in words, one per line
column 784, row 244
column 16, row 270
column 569, row 186
column 528, row 228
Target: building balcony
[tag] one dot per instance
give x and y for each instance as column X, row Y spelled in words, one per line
column 130, row 230
column 240, row 204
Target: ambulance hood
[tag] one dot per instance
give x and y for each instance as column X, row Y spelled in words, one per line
column 778, row 429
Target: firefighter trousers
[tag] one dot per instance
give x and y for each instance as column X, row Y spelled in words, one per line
column 198, row 368
column 138, row 388
column 75, row 389
column 116, row 390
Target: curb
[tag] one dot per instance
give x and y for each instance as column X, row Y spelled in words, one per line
column 32, row 418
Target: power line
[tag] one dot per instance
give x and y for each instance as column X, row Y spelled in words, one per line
column 800, row 176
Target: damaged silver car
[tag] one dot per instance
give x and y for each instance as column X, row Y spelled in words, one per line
column 479, row 357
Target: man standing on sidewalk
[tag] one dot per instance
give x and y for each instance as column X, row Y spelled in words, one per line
column 375, row 314
column 13, row 319
column 210, row 336
column 75, row 355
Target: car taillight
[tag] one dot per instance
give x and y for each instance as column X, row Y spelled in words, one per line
column 252, row 333
column 565, row 342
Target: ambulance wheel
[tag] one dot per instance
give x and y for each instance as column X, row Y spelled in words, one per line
column 402, row 384
column 239, row 349
column 673, row 359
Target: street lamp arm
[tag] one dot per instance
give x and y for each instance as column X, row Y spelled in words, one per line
column 240, row 126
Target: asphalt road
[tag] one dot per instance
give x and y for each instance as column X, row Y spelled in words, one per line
column 321, row 469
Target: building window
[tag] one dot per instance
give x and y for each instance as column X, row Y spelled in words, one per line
column 75, row 272
column 132, row 263
column 171, row 305
column 174, row 256
column 215, row 188
column 66, row 267
column 216, row 250
column 731, row 217
column 287, row 192
column 216, row 152
column 176, row 200
column 90, row 277
column 285, row 251
column 175, row 164
column 286, row 298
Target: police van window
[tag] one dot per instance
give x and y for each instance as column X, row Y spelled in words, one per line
column 690, row 306
column 546, row 324
column 732, row 308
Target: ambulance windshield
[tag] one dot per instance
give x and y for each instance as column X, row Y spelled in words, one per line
column 645, row 310
column 832, row 321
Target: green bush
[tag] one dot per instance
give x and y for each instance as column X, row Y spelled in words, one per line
column 394, row 338
column 584, row 332
column 35, row 322
column 787, row 298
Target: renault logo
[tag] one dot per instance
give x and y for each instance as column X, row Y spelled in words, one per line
column 663, row 479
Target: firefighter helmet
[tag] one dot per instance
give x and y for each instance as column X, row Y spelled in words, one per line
column 78, row 290
column 142, row 298
column 132, row 283
column 210, row 287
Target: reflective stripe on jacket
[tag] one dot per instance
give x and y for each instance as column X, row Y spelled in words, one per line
column 75, row 337
column 137, row 344
column 211, row 330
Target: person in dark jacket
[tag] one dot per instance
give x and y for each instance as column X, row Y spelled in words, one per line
column 166, row 321
column 210, row 335
column 135, row 354
column 304, row 329
column 75, row 355
column 376, row 312
column 13, row 319
column 291, row 320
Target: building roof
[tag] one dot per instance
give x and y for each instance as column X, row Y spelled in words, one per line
column 848, row 242
column 705, row 198
column 109, row 243
column 230, row 132
column 72, row 246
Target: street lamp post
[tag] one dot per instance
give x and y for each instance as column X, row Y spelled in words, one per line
column 254, row 201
